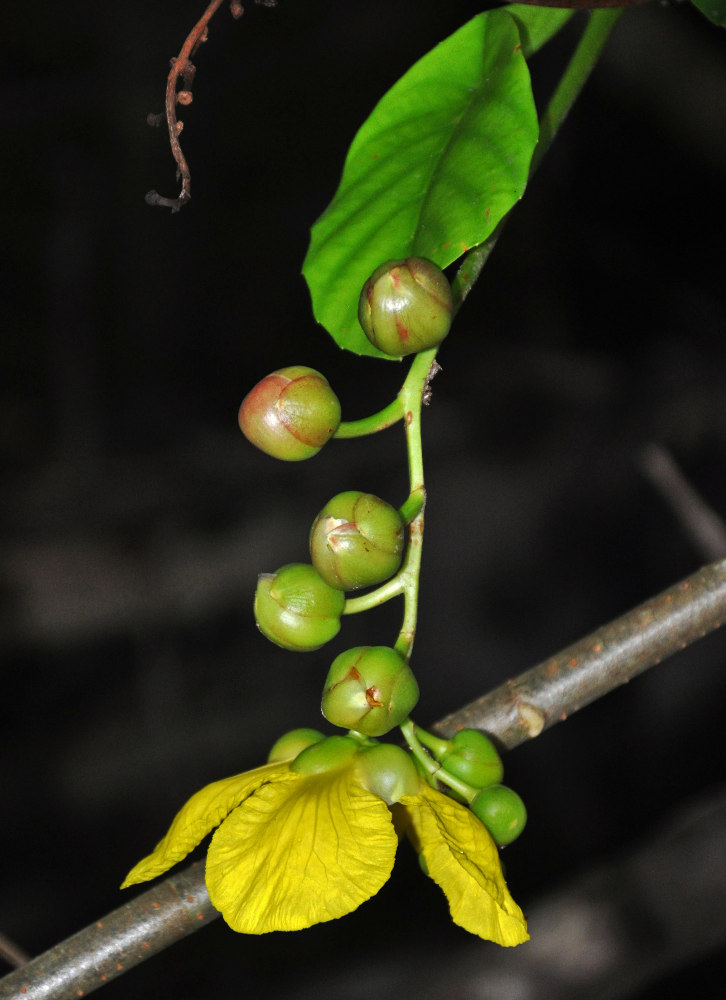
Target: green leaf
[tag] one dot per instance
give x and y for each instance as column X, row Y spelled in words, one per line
column 538, row 24
column 714, row 10
column 442, row 158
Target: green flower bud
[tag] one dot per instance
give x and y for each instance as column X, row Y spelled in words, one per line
column 290, row 414
column 290, row 744
column 406, row 306
column 501, row 811
column 296, row 609
column 473, row 757
column 370, row 689
column 329, row 753
column 356, row 541
column 388, row 772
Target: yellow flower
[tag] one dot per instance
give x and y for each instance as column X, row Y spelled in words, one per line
column 292, row 850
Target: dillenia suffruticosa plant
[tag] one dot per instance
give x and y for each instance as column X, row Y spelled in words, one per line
column 428, row 182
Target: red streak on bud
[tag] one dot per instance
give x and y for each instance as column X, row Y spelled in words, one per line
column 353, row 674
column 372, row 697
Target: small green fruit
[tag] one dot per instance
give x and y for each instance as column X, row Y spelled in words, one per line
column 473, row 757
column 296, row 609
column 388, row 772
column 290, row 414
column 501, row 811
column 289, row 745
column 356, row 541
column 370, row 689
column 330, row 753
column 406, row 306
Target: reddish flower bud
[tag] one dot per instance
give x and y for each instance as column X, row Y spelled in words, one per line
column 290, row 414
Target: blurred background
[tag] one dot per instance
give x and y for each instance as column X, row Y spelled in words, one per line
column 135, row 518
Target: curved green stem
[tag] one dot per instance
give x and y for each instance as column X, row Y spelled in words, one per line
column 392, row 588
column 386, row 417
column 413, row 506
column 433, row 769
column 590, row 46
column 591, row 43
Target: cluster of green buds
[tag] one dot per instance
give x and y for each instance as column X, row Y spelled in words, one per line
column 470, row 765
column 359, row 541
column 383, row 769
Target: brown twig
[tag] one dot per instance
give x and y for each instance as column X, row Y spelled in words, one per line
column 182, row 67
column 515, row 712
column 525, row 706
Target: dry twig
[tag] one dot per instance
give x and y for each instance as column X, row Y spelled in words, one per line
column 183, row 68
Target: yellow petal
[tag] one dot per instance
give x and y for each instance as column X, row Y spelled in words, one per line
column 304, row 850
column 204, row 810
column 463, row 860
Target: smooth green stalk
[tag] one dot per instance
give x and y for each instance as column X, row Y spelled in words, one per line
column 433, row 769
column 413, row 506
column 386, row 417
column 406, row 581
column 391, row 588
column 588, row 49
column 411, row 396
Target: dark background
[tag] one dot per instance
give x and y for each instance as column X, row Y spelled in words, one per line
column 135, row 517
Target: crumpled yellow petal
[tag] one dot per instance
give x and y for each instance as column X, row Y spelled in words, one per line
column 463, row 860
column 204, row 810
column 301, row 851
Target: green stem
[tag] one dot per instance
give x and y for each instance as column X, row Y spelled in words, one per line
column 434, row 770
column 386, row 417
column 592, row 41
column 411, row 397
column 392, row 588
column 413, row 506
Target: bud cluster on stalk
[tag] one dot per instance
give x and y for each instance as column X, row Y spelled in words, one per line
column 383, row 769
column 357, row 540
column 471, row 757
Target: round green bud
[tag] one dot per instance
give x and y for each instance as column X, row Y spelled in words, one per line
column 290, row 744
column 356, row 541
column 290, row 414
column 296, row 609
column 501, row 811
column 370, row 689
column 329, row 753
column 406, row 306
column 388, row 772
column 473, row 757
